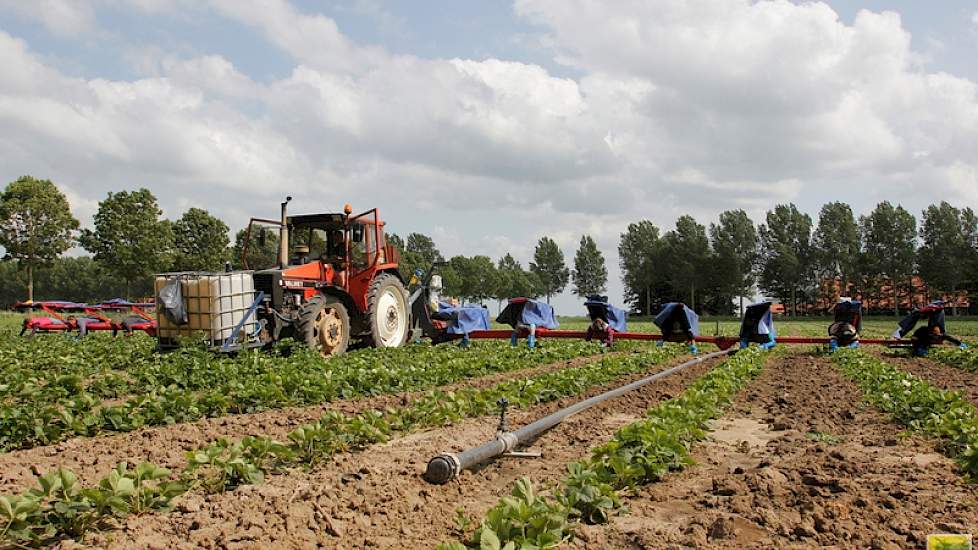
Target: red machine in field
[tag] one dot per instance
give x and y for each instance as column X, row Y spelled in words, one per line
column 65, row 317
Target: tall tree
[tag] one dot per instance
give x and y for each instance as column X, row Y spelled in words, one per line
column 786, row 259
column 200, row 241
column 472, row 278
column 590, row 274
column 889, row 241
column 548, row 265
column 837, row 245
column 513, row 281
column 36, row 224
column 946, row 251
column 424, row 247
column 685, row 257
column 636, row 257
column 734, row 242
column 130, row 240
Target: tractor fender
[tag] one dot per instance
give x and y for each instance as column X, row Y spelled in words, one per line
column 395, row 272
column 355, row 314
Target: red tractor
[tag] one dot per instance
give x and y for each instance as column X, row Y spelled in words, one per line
column 336, row 279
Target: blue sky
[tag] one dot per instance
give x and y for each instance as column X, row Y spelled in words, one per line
column 489, row 124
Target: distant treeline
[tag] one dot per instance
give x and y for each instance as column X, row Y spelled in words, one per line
column 886, row 255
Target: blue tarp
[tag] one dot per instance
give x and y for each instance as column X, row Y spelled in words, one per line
column 675, row 317
column 758, row 322
column 539, row 314
column 615, row 317
column 528, row 312
column 933, row 312
column 464, row 319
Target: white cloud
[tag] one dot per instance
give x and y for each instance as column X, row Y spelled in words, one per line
column 689, row 106
column 60, row 17
column 974, row 18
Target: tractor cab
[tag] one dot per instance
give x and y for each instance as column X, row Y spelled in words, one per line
column 336, row 279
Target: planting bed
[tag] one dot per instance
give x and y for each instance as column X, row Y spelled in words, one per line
column 800, row 461
column 376, row 497
column 803, row 450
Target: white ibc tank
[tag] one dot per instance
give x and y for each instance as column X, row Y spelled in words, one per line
column 215, row 304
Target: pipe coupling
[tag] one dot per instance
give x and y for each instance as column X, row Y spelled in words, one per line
column 508, row 440
column 442, row 469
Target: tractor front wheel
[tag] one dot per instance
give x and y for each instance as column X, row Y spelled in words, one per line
column 387, row 313
column 324, row 325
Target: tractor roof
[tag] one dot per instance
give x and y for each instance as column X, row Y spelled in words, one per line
column 319, row 221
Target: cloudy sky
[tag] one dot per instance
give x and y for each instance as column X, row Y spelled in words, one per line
column 488, row 124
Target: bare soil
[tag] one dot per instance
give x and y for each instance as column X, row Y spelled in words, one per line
column 799, row 462
column 376, row 498
column 93, row 457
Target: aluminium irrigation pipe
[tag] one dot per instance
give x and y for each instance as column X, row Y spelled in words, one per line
column 446, row 467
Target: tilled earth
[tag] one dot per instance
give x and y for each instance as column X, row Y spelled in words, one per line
column 376, row 498
column 799, row 462
column 91, row 458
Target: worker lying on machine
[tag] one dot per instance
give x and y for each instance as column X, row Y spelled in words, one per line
column 932, row 334
column 678, row 323
column 526, row 314
column 606, row 319
column 758, row 326
column 847, row 322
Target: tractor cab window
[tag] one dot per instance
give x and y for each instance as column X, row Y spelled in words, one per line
column 359, row 246
column 308, row 244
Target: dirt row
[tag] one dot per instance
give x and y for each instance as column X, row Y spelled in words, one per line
column 93, row 457
column 799, row 462
column 376, row 498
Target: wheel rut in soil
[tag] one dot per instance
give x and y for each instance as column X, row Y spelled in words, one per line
column 94, row 457
column 799, row 461
column 376, row 498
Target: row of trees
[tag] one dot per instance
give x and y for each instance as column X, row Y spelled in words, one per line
column 477, row 278
column 130, row 241
column 788, row 257
column 800, row 263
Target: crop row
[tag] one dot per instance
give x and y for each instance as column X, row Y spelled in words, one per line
column 254, row 381
column 640, row 453
column 54, row 368
column 917, row 404
column 37, row 516
column 964, row 359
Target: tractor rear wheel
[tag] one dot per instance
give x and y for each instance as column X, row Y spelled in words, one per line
column 324, row 325
column 387, row 313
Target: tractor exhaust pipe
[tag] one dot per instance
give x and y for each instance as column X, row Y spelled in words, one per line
column 283, row 236
column 446, row 467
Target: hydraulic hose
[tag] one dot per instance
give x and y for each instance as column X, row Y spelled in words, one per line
column 446, row 467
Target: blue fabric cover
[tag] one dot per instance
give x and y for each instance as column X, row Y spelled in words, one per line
column 464, row 319
column 690, row 321
column 539, row 314
column 758, row 323
column 933, row 312
column 616, row 318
